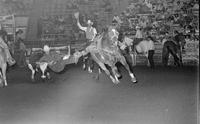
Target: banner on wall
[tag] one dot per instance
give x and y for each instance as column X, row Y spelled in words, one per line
column 8, row 22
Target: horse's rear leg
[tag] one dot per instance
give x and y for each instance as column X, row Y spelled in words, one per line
column 4, row 67
column 115, row 73
column 123, row 61
column 108, row 73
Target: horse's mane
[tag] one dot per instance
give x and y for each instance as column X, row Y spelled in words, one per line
column 3, row 54
column 2, row 50
column 105, row 41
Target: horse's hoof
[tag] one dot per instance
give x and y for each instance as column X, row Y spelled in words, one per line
column 134, row 80
column 116, row 82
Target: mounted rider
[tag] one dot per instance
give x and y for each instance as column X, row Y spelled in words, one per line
column 90, row 36
column 10, row 59
column 110, row 45
column 114, row 35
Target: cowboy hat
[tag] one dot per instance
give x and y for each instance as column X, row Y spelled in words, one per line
column 89, row 22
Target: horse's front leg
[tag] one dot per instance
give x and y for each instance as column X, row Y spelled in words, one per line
column 123, row 62
column 115, row 73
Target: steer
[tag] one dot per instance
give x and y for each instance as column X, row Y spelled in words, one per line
column 44, row 58
column 34, row 64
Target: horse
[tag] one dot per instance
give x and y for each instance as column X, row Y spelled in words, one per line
column 173, row 47
column 104, row 52
column 3, row 67
column 144, row 47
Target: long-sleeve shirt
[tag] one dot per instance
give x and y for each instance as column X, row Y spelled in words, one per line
column 90, row 31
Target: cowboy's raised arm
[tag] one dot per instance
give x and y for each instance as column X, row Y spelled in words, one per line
column 81, row 27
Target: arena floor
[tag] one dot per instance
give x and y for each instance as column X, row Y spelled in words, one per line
column 162, row 96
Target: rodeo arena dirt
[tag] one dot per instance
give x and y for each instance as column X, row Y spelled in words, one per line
column 99, row 62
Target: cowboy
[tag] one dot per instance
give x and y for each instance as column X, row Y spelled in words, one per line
column 90, row 36
column 151, row 51
column 10, row 59
column 113, row 33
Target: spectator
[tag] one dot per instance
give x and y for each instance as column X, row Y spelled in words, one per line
column 22, row 58
column 151, row 51
column 138, row 35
